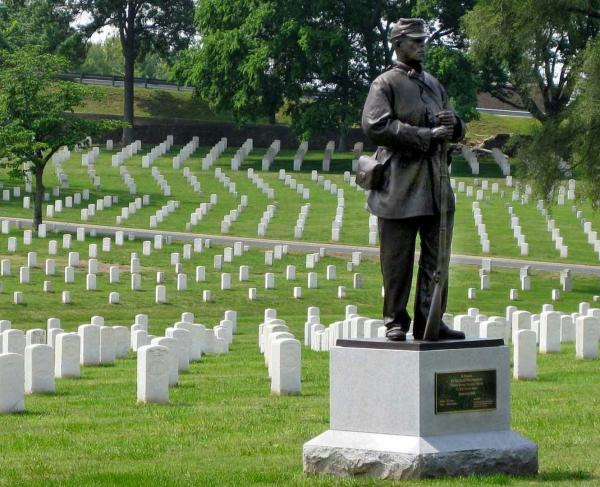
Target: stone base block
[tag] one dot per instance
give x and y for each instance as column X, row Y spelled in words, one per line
column 350, row 454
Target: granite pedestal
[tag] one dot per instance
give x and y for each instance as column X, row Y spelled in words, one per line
column 404, row 410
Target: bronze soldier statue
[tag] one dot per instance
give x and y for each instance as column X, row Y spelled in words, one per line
column 408, row 116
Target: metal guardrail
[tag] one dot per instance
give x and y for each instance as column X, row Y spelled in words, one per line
column 505, row 113
column 118, row 81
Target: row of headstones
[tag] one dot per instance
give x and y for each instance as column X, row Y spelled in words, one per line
column 356, row 153
column 301, row 221
column 234, row 214
column 330, row 148
column 229, row 252
column 300, row 155
column 515, row 226
column 125, row 153
column 592, row 235
column 328, row 155
column 294, row 185
column 226, row 181
column 270, row 155
column 30, row 362
column 70, row 202
column 59, row 172
column 73, row 257
column 214, row 153
column 163, row 212
column 500, row 159
column 192, row 180
column 160, row 292
column 570, row 192
column 338, row 220
column 282, row 354
column 201, row 211
column 160, row 361
column 484, row 240
column 482, row 185
column 265, row 219
column 132, row 208
column 526, row 331
column 566, row 281
column 107, row 202
column 554, row 231
column 90, row 157
column 159, row 240
column 241, row 154
column 321, row 338
column 128, row 180
column 161, row 181
column 156, row 152
column 73, row 262
column 186, row 152
column 260, row 183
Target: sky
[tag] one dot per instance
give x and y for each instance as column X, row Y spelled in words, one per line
column 99, row 36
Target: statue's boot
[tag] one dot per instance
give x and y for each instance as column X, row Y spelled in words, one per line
column 447, row 333
column 395, row 334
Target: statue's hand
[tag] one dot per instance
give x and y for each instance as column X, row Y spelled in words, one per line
column 443, row 132
column 446, row 117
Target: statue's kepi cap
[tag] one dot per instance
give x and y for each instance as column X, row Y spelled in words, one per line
column 414, row 28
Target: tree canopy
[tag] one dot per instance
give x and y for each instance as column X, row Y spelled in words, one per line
column 106, row 58
column 34, row 115
column 143, row 26
column 45, row 24
column 545, row 60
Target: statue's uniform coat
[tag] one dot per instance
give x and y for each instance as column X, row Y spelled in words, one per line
column 398, row 116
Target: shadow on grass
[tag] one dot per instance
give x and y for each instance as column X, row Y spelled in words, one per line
column 165, row 105
column 549, row 476
column 564, row 475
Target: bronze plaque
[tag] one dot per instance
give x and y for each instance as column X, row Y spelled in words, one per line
column 456, row 392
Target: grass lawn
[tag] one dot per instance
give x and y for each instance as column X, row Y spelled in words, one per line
column 489, row 125
column 323, row 204
column 152, row 103
column 223, row 427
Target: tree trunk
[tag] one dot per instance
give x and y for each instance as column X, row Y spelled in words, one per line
column 343, row 143
column 128, row 85
column 38, row 197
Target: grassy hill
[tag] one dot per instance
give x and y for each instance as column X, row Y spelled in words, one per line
column 174, row 104
column 152, row 103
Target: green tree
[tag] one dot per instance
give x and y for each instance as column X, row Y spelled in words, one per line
column 143, row 26
column 565, row 145
column 315, row 58
column 530, row 53
column 444, row 17
column 106, row 58
column 42, row 23
column 34, row 119
column 248, row 60
column 458, row 75
column 447, row 57
column 543, row 58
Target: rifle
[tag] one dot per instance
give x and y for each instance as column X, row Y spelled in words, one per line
column 434, row 318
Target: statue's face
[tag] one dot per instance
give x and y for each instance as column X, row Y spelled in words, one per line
column 409, row 49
